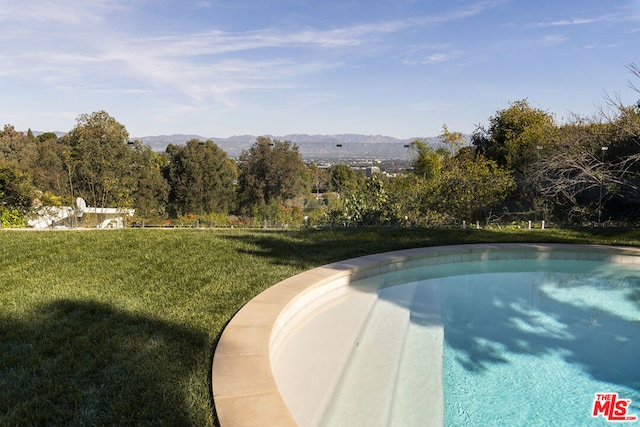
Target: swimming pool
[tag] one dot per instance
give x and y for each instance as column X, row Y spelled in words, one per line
column 466, row 335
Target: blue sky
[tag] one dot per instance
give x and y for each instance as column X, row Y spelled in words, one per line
column 219, row 68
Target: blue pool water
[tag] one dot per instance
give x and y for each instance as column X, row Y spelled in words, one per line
column 520, row 342
column 533, row 348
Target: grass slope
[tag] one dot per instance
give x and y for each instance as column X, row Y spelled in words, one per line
column 119, row 327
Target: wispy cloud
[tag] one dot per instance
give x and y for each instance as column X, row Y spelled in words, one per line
column 602, row 46
column 577, row 21
column 78, row 45
column 179, row 60
column 465, row 12
column 176, row 57
column 440, row 57
column 567, row 22
column 551, row 40
column 74, row 12
column 218, row 42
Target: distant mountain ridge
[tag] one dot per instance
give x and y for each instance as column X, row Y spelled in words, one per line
column 346, row 146
column 311, row 146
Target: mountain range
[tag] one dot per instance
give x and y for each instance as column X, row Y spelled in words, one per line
column 342, row 146
column 311, row 146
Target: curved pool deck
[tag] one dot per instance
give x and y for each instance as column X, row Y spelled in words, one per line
column 243, row 383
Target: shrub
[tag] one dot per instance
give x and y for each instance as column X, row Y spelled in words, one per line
column 12, row 218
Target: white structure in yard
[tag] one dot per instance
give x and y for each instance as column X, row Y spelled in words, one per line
column 74, row 216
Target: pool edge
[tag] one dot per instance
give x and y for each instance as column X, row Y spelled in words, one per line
column 243, row 385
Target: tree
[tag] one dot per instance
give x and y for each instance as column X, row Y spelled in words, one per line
column 472, row 189
column 271, row 171
column 47, row 136
column 201, row 178
column 454, row 140
column 16, row 191
column 634, row 69
column 344, row 180
column 17, row 148
column 151, row 191
column 319, row 178
column 366, row 205
column 451, row 183
column 513, row 140
column 591, row 169
column 406, row 199
column 428, row 160
column 49, row 173
column 99, row 160
column 514, row 135
column 593, row 163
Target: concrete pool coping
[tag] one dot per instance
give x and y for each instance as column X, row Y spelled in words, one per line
column 244, row 388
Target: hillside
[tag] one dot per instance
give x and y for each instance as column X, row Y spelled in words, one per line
column 342, row 146
column 311, row 146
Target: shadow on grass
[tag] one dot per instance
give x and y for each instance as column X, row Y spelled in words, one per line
column 85, row 363
column 309, row 247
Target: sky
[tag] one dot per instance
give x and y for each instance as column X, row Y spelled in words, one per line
column 401, row 68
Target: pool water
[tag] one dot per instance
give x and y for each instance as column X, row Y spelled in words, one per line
column 533, row 348
column 484, row 343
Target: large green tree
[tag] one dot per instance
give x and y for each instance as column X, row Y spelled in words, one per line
column 450, row 184
column 428, row 160
column 17, row 148
column 472, row 189
column 98, row 160
column 344, row 180
column 369, row 205
column 271, row 171
column 201, row 178
column 514, row 135
column 49, row 173
column 151, row 190
column 16, row 191
column 515, row 140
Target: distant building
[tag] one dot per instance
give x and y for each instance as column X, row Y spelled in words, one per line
column 370, row 170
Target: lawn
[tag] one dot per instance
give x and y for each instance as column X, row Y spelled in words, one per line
column 119, row 327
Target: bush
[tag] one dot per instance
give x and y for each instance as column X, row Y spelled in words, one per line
column 12, row 218
column 278, row 214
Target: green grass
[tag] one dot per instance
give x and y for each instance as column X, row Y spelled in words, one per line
column 119, row 327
